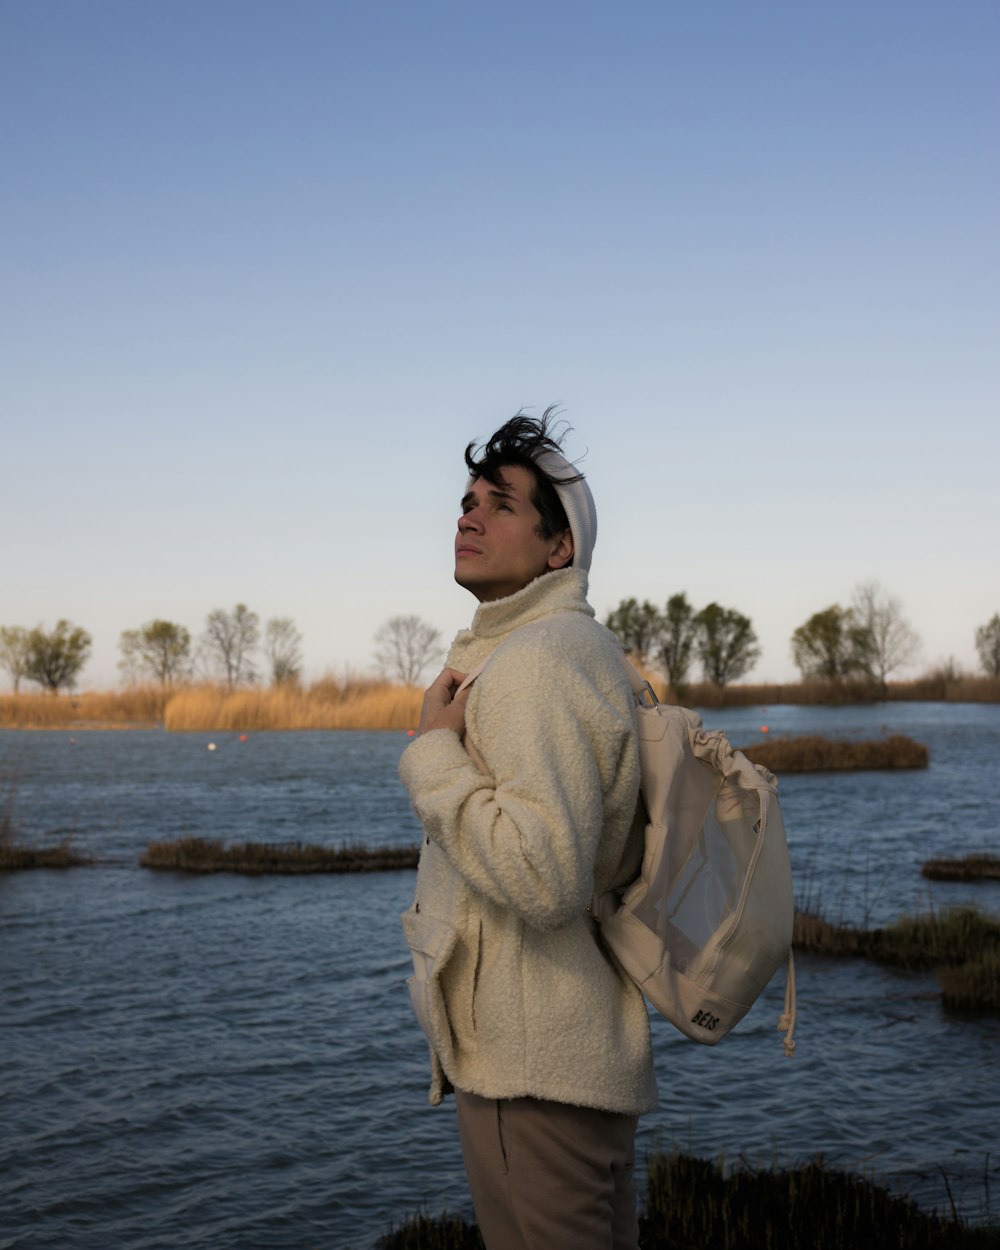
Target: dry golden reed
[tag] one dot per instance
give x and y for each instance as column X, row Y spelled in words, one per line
column 135, row 705
column 328, row 704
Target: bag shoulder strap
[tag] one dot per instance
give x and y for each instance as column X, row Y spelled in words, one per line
column 471, row 677
column 641, row 688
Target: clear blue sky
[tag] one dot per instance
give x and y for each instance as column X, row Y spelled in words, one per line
column 267, row 267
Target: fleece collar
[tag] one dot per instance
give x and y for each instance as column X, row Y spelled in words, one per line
column 562, row 590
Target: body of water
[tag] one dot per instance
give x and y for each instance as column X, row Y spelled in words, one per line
column 228, row 1062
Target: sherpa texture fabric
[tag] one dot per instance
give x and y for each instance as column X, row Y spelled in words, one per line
column 514, row 991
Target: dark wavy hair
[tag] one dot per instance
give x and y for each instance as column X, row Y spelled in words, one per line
column 517, row 442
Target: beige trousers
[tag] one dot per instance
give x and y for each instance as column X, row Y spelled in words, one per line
column 549, row 1176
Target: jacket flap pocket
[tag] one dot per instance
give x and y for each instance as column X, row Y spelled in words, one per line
column 430, row 940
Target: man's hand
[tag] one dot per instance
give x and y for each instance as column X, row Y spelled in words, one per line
column 442, row 709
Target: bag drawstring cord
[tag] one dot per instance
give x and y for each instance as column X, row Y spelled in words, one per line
column 786, row 1021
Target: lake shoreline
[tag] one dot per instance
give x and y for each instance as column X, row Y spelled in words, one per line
column 373, row 704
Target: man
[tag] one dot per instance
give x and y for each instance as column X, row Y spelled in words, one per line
column 526, row 784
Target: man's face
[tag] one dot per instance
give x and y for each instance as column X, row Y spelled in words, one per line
column 498, row 549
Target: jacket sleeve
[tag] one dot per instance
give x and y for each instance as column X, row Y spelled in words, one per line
column 554, row 740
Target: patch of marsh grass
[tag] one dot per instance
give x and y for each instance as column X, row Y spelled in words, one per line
column 932, row 941
column 974, row 867
column 20, row 857
column 16, row 854
column 962, row 945
column 912, row 942
column 974, row 985
column 812, row 754
column 281, row 858
column 428, row 1232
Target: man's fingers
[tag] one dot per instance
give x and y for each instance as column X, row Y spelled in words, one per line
column 443, row 707
column 449, row 680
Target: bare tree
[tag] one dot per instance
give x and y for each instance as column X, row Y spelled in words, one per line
column 405, row 646
column 988, row 646
column 158, row 649
column 283, row 648
column 883, row 638
column 14, row 653
column 229, row 641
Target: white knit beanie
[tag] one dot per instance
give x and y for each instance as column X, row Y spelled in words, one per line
column 578, row 502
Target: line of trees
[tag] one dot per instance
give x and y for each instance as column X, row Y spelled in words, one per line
column 868, row 640
column 722, row 639
column 51, row 658
column 227, row 650
column 160, row 651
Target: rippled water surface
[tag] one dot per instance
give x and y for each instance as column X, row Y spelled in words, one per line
column 229, row 1062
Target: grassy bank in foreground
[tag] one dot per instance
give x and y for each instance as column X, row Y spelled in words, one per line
column 369, row 703
column 691, row 1203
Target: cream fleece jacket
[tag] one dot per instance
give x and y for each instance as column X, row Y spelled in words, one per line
column 511, row 984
